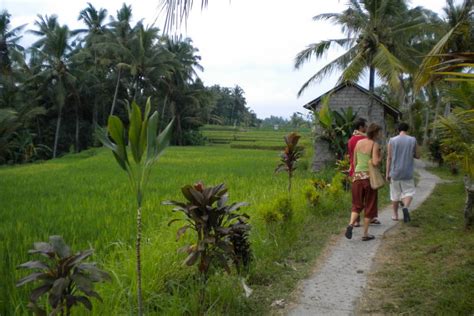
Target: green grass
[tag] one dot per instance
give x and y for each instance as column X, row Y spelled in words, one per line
column 251, row 138
column 430, row 265
column 86, row 199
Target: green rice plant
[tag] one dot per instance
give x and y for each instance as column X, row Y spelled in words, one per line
column 221, row 233
column 65, row 277
column 290, row 156
column 146, row 147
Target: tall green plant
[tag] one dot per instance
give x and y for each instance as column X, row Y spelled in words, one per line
column 290, row 156
column 145, row 147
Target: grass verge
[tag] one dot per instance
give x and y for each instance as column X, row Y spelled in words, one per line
column 426, row 267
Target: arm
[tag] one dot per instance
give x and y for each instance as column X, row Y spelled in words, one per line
column 376, row 158
column 354, row 157
column 389, row 161
column 417, row 151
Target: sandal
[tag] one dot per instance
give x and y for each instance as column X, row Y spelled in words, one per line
column 356, row 225
column 348, row 233
column 394, row 218
column 375, row 221
column 368, row 237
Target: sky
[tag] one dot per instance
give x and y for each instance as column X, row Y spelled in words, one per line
column 250, row 43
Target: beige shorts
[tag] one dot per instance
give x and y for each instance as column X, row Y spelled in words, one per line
column 400, row 189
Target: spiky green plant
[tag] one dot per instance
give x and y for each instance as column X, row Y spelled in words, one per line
column 145, row 147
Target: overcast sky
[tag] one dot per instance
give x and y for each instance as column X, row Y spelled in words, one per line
column 250, row 43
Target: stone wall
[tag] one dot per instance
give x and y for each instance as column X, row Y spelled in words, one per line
column 360, row 102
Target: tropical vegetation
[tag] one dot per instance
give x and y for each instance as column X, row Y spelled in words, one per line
column 55, row 93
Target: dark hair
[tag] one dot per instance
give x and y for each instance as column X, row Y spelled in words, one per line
column 403, row 127
column 360, row 123
column 372, row 130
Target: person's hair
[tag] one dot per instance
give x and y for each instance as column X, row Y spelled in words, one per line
column 372, row 130
column 360, row 123
column 403, row 127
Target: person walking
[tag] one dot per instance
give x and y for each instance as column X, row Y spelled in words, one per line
column 401, row 152
column 363, row 196
column 360, row 128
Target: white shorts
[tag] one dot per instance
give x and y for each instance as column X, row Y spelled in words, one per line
column 400, row 189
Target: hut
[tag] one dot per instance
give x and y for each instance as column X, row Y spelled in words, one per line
column 365, row 104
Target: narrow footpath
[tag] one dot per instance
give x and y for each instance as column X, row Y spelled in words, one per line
column 338, row 283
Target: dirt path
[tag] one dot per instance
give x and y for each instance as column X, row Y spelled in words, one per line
column 338, row 282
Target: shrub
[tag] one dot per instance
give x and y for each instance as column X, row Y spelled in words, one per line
column 278, row 211
column 193, row 138
column 436, row 154
column 311, row 195
column 66, row 278
column 221, row 233
column 336, row 187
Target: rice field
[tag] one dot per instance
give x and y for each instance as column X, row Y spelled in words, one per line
column 250, row 138
column 86, row 199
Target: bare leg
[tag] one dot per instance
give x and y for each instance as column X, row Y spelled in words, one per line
column 395, row 209
column 407, row 201
column 366, row 226
column 354, row 217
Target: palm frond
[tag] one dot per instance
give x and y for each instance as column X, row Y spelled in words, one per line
column 337, row 64
column 317, row 50
column 355, row 69
column 177, row 12
column 388, row 66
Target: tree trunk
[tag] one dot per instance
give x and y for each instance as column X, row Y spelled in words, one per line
column 436, row 111
column 56, row 135
column 427, row 123
column 371, row 79
column 468, row 207
column 95, row 117
column 139, row 266
column 76, row 136
column 116, row 91
column 162, row 118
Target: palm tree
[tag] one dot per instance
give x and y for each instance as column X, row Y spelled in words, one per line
column 375, row 31
column 453, row 52
column 119, row 37
column 8, row 42
column 92, row 58
column 52, row 49
column 183, row 99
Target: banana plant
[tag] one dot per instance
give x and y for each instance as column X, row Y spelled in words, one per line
column 145, row 146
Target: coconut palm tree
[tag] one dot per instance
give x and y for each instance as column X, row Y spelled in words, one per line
column 453, row 53
column 8, row 42
column 52, row 49
column 376, row 30
column 183, row 99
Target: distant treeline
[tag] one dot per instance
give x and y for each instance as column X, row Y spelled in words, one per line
column 54, row 93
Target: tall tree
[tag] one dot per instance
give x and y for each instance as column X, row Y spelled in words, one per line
column 373, row 29
column 52, row 49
